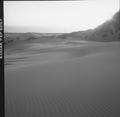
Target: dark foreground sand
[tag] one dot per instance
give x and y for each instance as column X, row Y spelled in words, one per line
column 74, row 82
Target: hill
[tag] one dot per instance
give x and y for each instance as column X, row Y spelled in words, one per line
column 108, row 31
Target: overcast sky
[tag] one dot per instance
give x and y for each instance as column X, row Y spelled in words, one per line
column 57, row 16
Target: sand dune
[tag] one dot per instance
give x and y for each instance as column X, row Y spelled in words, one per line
column 80, row 81
column 59, row 75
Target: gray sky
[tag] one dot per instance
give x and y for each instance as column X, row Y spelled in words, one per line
column 57, row 16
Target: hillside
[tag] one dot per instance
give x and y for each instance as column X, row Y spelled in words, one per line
column 108, row 31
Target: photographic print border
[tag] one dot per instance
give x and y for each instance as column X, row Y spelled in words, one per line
column 2, row 114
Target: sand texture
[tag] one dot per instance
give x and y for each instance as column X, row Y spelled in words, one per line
column 64, row 81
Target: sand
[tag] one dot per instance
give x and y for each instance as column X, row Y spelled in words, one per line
column 79, row 81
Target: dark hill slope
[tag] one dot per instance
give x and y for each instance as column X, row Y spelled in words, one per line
column 108, row 31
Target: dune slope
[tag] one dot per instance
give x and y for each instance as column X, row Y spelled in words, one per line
column 82, row 83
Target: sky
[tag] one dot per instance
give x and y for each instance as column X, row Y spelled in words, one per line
column 57, row 16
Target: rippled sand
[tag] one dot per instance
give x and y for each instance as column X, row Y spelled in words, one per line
column 79, row 81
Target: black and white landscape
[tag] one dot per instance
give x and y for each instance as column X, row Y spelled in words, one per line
column 75, row 74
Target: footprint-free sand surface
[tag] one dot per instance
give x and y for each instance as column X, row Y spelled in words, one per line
column 82, row 81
